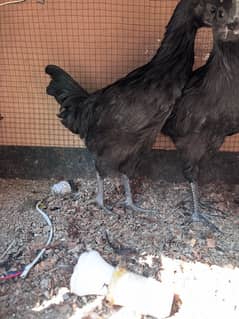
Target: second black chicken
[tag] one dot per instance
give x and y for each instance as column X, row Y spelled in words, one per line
column 209, row 109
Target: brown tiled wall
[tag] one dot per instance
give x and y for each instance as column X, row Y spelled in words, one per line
column 97, row 41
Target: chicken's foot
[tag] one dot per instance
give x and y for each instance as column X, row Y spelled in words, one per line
column 99, row 199
column 196, row 215
column 128, row 202
column 216, row 212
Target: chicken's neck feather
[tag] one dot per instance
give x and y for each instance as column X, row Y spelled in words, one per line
column 223, row 61
column 178, row 44
column 175, row 58
column 179, row 37
column 227, row 58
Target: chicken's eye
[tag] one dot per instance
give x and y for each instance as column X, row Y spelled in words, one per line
column 221, row 13
column 213, row 10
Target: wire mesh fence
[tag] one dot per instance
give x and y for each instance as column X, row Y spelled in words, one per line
column 97, row 41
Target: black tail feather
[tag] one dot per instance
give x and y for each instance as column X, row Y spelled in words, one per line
column 70, row 95
column 62, row 84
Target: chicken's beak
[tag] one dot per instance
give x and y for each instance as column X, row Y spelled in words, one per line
column 237, row 8
column 232, row 24
column 235, row 23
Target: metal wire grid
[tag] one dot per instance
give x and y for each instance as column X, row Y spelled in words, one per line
column 97, row 41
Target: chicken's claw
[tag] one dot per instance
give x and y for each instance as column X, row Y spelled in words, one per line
column 100, row 204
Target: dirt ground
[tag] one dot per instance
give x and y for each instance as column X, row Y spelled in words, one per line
column 201, row 264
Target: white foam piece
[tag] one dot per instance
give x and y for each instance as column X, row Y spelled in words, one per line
column 91, row 275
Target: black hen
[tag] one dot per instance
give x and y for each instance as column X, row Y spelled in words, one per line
column 120, row 122
column 209, row 110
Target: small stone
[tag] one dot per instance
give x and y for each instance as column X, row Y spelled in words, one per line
column 211, row 243
column 193, row 242
column 46, row 294
column 66, row 296
column 45, row 283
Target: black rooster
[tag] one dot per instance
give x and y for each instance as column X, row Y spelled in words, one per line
column 208, row 111
column 119, row 123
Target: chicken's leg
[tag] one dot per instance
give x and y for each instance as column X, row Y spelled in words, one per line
column 99, row 199
column 196, row 215
column 128, row 203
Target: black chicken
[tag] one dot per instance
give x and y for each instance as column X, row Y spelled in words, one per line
column 119, row 123
column 208, row 111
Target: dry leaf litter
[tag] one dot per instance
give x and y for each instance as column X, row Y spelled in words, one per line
column 203, row 264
